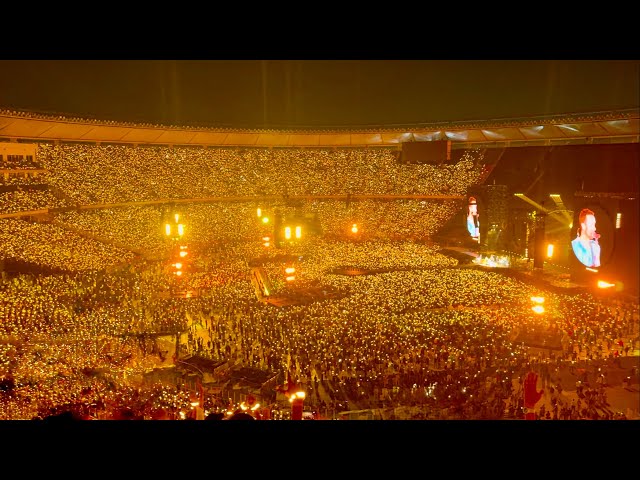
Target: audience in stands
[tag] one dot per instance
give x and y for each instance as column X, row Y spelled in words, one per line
column 414, row 335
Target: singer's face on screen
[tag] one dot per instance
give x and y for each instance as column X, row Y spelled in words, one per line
column 589, row 227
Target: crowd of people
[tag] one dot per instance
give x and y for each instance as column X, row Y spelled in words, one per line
column 114, row 174
column 51, row 246
column 207, row 224
column 21, row 179
column 18, row 162
column 428, row 332
column 414, row 328
column 25, row 200
column 18, row 170
column 393, row 336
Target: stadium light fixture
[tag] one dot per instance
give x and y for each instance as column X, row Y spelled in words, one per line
column 560, row 215
column 530, row 201
column 560, row 209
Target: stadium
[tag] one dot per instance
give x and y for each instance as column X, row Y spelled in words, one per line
column 417, row 271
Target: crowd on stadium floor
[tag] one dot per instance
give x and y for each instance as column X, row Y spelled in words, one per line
column 443, row 342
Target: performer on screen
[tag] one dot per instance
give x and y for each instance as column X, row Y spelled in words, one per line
column 473, row 224
column 585, row 246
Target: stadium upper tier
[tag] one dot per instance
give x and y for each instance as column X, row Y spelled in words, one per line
column 619, row 126
column 107, row 174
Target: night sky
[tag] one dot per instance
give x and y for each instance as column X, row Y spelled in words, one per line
column 316, row 93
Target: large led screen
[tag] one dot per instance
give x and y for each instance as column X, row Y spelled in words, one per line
column 472, row 219
column 592, row 236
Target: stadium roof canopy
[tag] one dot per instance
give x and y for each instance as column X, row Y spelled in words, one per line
column 618, row 126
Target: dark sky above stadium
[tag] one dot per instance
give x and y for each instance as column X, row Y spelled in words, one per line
column 316, row 93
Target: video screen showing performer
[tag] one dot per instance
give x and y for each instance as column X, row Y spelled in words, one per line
column 586, row 246
column 473, row 223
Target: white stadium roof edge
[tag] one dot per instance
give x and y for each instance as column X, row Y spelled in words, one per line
column 592, row 128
